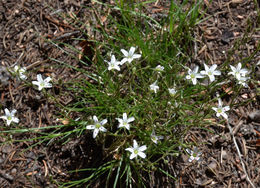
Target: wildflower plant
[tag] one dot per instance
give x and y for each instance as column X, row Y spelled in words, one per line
column 127, row 157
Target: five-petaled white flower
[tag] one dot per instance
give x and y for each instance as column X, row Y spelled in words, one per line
column 155, row 138
column 9, row 116
column 221, row 111
column 154, row 87
column 159, row 68
column 193, row 75
column 20, row 71
column 136, row 150
column 238, row 72
column 42, row 83
column 129, row 56
column 172, row 91
column 113, row 64
column 194, row 155
column 98, row 126
column 210, row 72
column 125, row 121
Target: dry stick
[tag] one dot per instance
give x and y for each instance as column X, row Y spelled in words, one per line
column 239, row 154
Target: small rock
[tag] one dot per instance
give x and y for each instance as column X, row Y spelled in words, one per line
column 255, row 116
column 13, row 171
column 224, row 154
column 212, row 165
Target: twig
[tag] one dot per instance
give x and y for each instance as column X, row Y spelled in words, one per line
column 239, row 154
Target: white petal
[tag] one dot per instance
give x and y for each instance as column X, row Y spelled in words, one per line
column 16, row 120
column 130, row 149
column 113, row 59
column 9, row 122
column 206, row 67
column 3, row 117
column 203, row 72
column 48, row 79
column 123, row 61
column 233, row 68
column 124, row 117
column 196, row 69
column 132, row 51
column 7, row 112
column 225, row 115
column 35, row 83
column 142, row 154
column 226, row 108
column 133, row 155
column 239, row 66
column 213, row 67
column 39, row 78
column 103, row 122
column 188, row 77
column 217, row 72
column 136, row 56
column 135, row 144
column 130, row 119
column 124, row 52
column 95, row 133
column 95, row 119
column 211, row 78
column 127, row 126
column 142, row 148
column 90, row 127
column 103, row 129
column 215, row 109
column 194, row 81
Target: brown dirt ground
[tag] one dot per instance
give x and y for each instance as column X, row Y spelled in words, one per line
column 24, row 26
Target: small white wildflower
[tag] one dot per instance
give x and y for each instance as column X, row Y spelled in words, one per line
column 9, row 116
column 42, row 83
column 154, row 87
column 210, row 72
column 221, row 111
column 136, row 150
column 193, row 75
column 129, row 56
column 172, row 91
column 125, row 121
column 20, row 71
column 113, row 64
column 258, row 63
column 237, row 72
column 159, row 68
column 194, row 155
column 98, row 126
column 155, row 138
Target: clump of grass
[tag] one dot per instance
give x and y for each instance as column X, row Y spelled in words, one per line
column 137, row 113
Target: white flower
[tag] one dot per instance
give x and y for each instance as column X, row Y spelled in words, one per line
column 129, row 56
column 42, row 83
column 210, row 72
column 238, row 72
column 9, row 116
column 242, row 81
column 125, row 121
column 155, row 138
column 98, row 126
column 20, row 71
column 159, row 68
column 136, row 150
column 113, row 64
column 221, row 110
column 193, row 75
column 194, row 155
column 154, row 87
column 172, row 91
